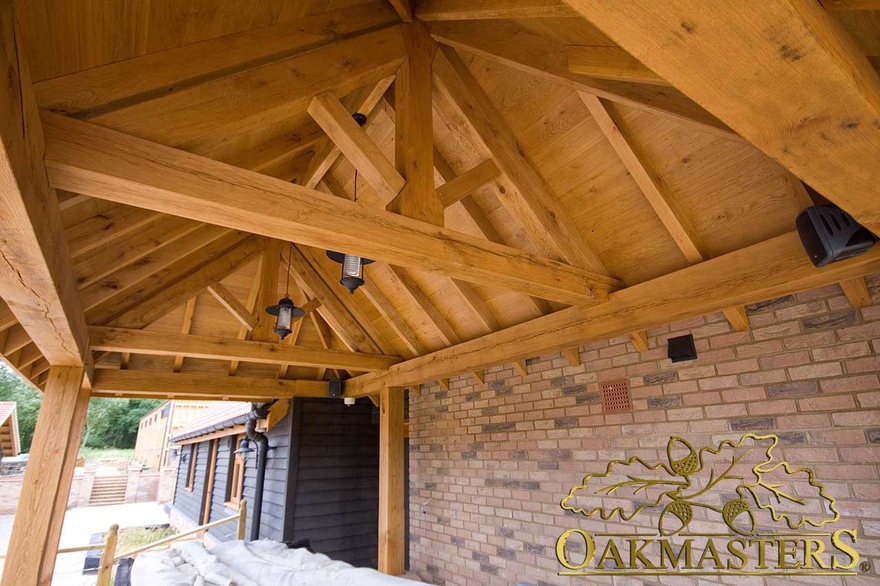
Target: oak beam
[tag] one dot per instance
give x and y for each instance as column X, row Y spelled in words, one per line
column 33, row 546
column 609, row 63
column 36, row 280
column 492, row 9
column 185, row 328
column 155, row 384
column 107, row 164
column 413, row 131
column 212, row 348
column 235, row 307
column 536, row 202
column 514, row 45
column 856, row 291
column 358, row 148
column 392, row 513
column 255, row 99
column 264, row 330
column 639, row 340
column 128, row 82
column 814, row 99
column 326, row 153
column 174, row 295
column 463, row 185
column 763, row 271
column 335, row 312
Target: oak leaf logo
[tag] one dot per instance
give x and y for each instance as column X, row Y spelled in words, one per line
column 747, row 468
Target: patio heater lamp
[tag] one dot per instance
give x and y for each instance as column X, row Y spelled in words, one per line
column 285, row 310
column 352, row 265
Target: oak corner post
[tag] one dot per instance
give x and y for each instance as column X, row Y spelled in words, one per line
column 37, row 527
column 392, row 520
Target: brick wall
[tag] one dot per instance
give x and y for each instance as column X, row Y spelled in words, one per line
column 491, row 462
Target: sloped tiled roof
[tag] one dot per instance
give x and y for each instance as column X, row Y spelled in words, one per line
column 219, row 416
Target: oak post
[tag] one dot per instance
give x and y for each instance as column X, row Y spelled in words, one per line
column 37, row 527
column 391, row 477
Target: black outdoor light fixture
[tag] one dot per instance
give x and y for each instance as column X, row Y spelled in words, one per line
column 285, row 310
column 352, row 265
column 244, row 449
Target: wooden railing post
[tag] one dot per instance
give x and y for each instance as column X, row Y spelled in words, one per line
column 242, row 519
column 106, row 567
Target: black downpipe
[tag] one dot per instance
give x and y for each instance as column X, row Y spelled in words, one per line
column 260, row 411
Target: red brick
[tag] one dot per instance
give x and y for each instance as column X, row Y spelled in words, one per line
column 869, row 400
column 869, row 364
column 720, row 382
column 867, row 331
column 743, row 394
column 838, row 437
column 738, row 366
column 696, row 372
column 857, row 418
column 772, row 407
column 750, row 350
column 823, row 370
column 783, row 330
column 853, row 350
column 812, row 421
column 785, row 360
column 732, row 339
column 850, row 384
column 835, row 402
column 763, row 377
column 726, row 411
column 810, row 341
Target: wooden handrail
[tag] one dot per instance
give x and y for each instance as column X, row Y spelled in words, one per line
column 240, row 517
column 108, row 547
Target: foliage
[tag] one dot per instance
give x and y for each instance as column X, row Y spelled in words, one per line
column 134, row 537
column 92, row 455
column 111, row 423
column 13, row 388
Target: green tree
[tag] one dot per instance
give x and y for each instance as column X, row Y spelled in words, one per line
column 27, row 399
column 113, row 423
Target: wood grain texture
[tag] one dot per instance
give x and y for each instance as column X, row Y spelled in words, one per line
column 413, row 132
column 212, row 348
column 46, row 486
column 492, row 9
column 856, row 291
column 392, row 511
column 789, row 56
column 258, row 98
column 354, row 143
column 107, row 164
column 156, row 384
column 537, row 201
column 235, row 307
column 521, row 48
column 763, row 271
column 35, row 276
column 127, row 82
column 463, row 185
column 609, row 63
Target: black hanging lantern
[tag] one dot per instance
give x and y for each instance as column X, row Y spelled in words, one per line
column 352, row 269
column 285, row 310
column 352, row 265
column 244, row 449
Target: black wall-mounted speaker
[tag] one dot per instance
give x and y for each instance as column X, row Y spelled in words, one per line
column 829, row 234
column 681, row 348
column 335, row 388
